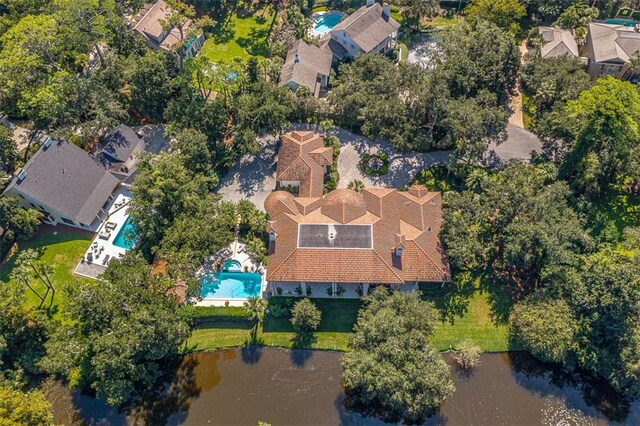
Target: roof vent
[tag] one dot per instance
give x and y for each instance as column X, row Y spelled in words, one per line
column 46, row 143
column 22, row 175
column 296, row 59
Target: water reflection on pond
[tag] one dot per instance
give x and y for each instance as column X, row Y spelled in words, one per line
column 303, row 387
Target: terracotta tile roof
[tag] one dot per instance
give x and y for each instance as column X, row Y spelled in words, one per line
column 410, row 219
column 301, row 158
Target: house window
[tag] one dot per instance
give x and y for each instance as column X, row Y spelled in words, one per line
column 620, row 68
column 67, row 221
column 601, row 67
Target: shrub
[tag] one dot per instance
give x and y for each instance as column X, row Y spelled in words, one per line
column 375, row 164
column 467, row 354
column 305, row 316
column 278, row 311
column 213, row 313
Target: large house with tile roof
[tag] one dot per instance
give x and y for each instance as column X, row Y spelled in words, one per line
column 302, row 163
column 380, row 237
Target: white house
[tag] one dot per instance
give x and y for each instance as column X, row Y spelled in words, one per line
column 370, row 29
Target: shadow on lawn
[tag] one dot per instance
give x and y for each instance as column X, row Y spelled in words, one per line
column 256, row 42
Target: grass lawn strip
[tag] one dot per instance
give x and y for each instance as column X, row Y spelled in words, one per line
column 338, row 317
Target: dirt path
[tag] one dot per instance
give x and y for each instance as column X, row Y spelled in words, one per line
column 515, row 103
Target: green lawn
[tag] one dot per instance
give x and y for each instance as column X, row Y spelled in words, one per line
column 441, row 22
column 62, row 251
column 338, row 317
column 240, row 34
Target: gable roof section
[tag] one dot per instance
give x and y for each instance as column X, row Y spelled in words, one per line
column 295, row 162
column 148, row 22
column 304, row 64
column 68, row 179
column 612, row 43
column 412, row 218
column 558, row 42
column 368, row 26
column 118, row 145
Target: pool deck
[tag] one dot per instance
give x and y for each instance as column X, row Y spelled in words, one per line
column 235, row 251
column 102, row 249
column 319, row 16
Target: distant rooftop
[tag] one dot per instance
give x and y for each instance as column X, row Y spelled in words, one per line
column 368, row 26
column 558, row 42
column 612, row 43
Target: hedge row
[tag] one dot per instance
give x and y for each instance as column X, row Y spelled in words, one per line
column 214, row 313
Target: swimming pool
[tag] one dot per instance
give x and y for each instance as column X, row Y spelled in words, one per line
column 326, row 22
column 624, row 22
column 232, row 265
column 230, row 285
column 126, row 237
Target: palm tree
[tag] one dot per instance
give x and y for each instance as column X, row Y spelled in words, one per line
column 20, row 274
column 255, row 307
column 356, row 185
column 476, row 179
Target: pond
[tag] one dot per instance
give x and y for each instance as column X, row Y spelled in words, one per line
column 244, row 386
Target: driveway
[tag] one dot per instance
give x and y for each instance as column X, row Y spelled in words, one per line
column 254, row 177
column 520, row 145
column 402, row 166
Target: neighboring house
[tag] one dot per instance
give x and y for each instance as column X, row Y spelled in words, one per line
column 557, row 42
column 611, row 49
column 149, row 23
column 119, row 151
column 67, row 184
column 370, row 29
column 308, row 66
column 302, row 162
column 383, row 236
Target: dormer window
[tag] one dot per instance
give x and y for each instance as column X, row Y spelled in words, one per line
column 399, row 250
column 272, row 235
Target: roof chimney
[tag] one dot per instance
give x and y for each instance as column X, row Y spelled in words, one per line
column 386, row 10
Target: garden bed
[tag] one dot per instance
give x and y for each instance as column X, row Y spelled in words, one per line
column 375, row 164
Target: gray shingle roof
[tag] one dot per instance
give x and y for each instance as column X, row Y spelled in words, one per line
column 368, row 26
column 612, row 43
column 558, row 42
column 311, row 61
column 67, row 179
column 119, row 144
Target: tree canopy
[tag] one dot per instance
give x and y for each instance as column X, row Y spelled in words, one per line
column 393, row 371
column 122, row 330
column 506, row 14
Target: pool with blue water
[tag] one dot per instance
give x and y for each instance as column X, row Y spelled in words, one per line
column 230, row 285
column 126, row 237
column 327, row 22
